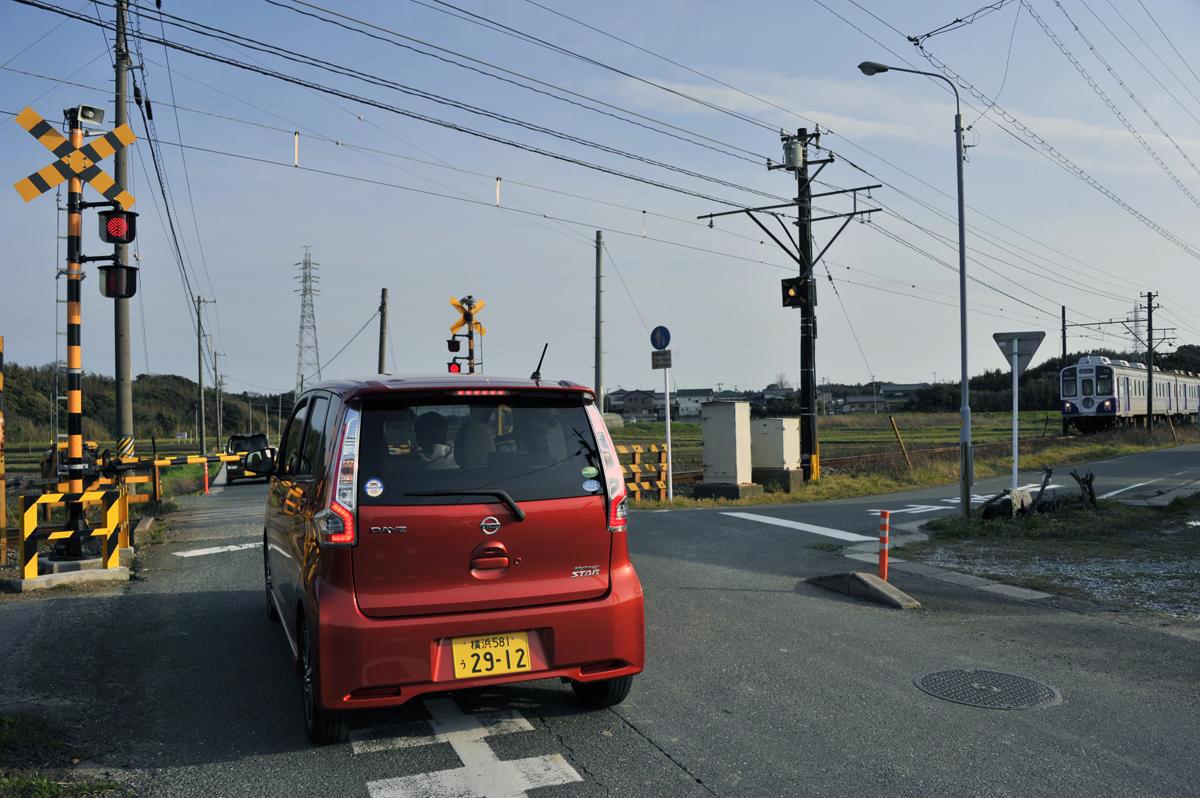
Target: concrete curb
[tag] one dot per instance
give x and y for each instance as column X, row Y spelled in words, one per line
column 46, row 581
column 867, row 586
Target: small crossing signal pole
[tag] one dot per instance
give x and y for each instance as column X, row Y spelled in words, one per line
column 468, row 308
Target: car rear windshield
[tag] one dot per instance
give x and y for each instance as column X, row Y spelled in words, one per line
column 534, row 446
column 248, row 443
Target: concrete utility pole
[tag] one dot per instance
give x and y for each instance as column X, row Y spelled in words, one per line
column 599, row 382
column 1150, row 361
column 382, row 331
column 220, row 399
column 1065, row 424
column 121, row 346
column 201, row 431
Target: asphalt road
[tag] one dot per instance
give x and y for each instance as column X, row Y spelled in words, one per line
column 757, row 683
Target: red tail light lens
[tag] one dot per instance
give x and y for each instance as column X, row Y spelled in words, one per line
column 335, row 525
column 614, row 480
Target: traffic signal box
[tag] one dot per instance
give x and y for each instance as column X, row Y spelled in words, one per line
column 118, row 227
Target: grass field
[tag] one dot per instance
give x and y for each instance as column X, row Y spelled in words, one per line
column 861, row 433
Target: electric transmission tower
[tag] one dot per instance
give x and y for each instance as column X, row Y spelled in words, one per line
column 308, row 357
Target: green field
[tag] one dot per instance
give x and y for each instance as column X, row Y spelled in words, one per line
column 862, row 433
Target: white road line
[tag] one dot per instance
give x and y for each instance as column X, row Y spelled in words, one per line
column 816, row 530
column 399, row 735
column 1127, row 487
column 216, row 550
column 483, row 773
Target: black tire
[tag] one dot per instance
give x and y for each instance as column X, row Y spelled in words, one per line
column 272, row 613
column 604, row 693
column 323, row 727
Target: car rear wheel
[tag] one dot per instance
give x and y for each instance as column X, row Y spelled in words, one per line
column 603, row 693
column 323, row 726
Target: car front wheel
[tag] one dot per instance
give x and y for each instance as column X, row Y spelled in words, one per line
column 323, row 726
column 603, row 693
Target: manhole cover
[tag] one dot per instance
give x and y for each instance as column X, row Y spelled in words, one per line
column 988, row 689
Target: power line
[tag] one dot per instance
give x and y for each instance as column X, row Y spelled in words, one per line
column 757, row 158
column 1167, row 38
column 353, row 338
column 308, row 60
column 954, row 25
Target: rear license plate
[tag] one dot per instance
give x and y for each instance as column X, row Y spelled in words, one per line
column 491, row 655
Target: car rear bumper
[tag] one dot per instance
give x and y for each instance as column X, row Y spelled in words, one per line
column 372, row 662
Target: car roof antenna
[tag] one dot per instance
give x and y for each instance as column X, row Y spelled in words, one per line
column 537, row 372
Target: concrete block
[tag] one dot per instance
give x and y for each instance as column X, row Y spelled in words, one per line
column 721, row 490
column 48, row 565
column 785, row 480
column 68, row 578
column 869, row 587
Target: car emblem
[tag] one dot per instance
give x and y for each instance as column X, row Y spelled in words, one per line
column 489, row 525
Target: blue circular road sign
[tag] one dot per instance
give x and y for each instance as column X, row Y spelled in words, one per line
column 660, row 337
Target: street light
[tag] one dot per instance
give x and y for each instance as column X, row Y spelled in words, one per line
column 965, row 460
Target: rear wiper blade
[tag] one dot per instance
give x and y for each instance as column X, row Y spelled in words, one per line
column 502, row 495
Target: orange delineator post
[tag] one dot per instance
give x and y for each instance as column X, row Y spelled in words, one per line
column 885, row 529
column 205, row 479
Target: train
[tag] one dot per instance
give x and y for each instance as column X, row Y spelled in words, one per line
column 1101, row 393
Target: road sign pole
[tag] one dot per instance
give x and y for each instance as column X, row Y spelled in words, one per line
column 670, row 454
column 1016, row 370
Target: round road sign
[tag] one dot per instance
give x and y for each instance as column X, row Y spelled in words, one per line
column 660, row 337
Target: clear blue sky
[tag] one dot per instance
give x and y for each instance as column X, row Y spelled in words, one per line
column 536, row 275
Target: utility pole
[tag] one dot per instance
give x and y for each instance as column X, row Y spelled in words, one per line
column 220, row 399
column 1066, row 425
column 122, row 368
column 599, row 382
column 200, row 303
column 801, row 291
column 382, row 331
column 1150, row 361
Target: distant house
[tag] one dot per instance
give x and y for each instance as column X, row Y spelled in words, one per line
column 896, row 394
column 863, row 403
column 638, row 405
column 688, row 401
column 660, row 403
column 769, row 394
column 615, row 400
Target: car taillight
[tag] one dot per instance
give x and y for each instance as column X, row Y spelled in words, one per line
column 335, row 526
column 614, row 480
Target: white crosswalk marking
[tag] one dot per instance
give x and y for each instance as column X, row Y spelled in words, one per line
column 216, row 550
column 814, row 529
column 483, row 773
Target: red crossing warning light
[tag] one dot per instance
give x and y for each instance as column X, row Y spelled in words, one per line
column 454, row 367
column 118, row 227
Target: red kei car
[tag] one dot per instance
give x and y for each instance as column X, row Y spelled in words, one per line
column 444, row 533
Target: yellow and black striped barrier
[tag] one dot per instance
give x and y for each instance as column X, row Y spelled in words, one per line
column 646, row 472
column 115, row 512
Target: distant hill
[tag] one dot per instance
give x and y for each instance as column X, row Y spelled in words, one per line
column 163, row 405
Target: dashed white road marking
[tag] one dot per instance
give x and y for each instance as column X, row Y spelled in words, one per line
column 393, row 737
column 216, row 550
column 914, row 509
column 483, row 773
column 816, row 530
column 1127, row 487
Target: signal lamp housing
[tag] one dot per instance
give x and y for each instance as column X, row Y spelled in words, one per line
column 118, row 227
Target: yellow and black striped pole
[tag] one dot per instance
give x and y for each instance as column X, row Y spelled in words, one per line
column 75, row 464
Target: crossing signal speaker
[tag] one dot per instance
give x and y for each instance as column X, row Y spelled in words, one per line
column 118, row 227
column 795, row 292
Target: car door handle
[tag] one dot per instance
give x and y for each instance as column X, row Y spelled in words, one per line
column 489, row 563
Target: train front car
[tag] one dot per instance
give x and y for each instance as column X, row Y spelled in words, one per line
column 1090, row 394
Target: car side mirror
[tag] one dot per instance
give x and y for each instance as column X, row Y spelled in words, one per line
column 260, row 463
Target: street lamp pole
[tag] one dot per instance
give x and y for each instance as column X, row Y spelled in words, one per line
column 966, row 460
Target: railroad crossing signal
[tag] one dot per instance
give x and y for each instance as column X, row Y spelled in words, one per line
column 794, row 291
column 73, row 161
column 468, row 309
